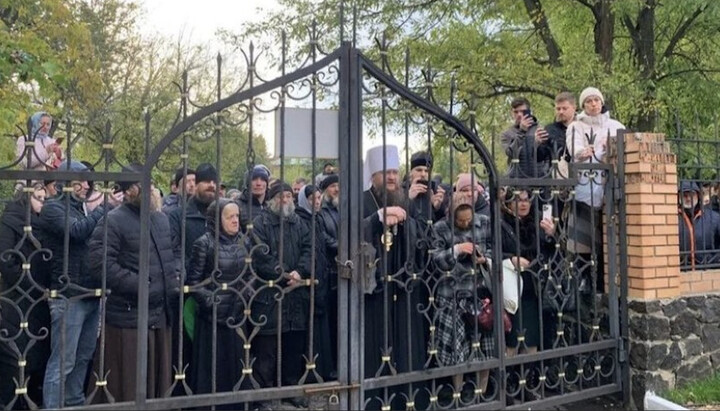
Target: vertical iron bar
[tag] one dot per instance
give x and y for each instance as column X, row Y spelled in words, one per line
column 281, row 245
column 351, row 212
column 143, row 293
column 624, row 374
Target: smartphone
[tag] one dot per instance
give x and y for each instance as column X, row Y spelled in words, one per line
column 527, row 112
column 547, row 212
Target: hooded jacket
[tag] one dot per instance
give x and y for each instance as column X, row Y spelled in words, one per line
column 593, row 131
column 41, row 155
column 230, row 252
column 319, row 251
column 699, row 229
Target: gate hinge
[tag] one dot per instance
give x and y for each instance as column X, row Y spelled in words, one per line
column 622, row 351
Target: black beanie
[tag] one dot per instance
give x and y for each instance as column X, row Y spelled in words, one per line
column 179, row 174
column 421, row 158
column 277, row 188
column 328, row 181
column 205, row 172
column 132, row 168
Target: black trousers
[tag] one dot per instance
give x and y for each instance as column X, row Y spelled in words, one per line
column 265, row 350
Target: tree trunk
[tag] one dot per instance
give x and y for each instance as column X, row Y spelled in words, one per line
column 643, row 42
column 604, row 31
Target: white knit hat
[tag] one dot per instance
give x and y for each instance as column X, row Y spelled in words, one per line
column 591, row 91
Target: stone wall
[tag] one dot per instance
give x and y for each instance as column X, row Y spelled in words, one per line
column 672, row 342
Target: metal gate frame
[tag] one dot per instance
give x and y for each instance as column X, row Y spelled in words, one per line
column 351, row 384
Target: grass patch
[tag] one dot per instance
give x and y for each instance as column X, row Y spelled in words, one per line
column 700, row 392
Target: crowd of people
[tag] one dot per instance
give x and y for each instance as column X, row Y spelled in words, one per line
column 243, row 283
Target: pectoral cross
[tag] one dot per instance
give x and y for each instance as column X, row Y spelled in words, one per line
column 387, row 239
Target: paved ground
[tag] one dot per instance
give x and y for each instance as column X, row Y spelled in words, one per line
column 609, row 402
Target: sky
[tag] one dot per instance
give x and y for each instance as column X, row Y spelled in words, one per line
column 198, row 21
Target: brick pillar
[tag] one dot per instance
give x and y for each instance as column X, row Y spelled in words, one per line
column 653, row 261
column 652, row 217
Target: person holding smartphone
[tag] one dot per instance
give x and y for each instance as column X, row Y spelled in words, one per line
column 426, row 197
column 519, row 143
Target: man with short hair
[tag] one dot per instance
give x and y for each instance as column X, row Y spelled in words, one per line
column 551, row 138
column 282, row 255
column 328, row 169
column 299, row 183
column 182, row 183
column 74, row 320
column 518, row 141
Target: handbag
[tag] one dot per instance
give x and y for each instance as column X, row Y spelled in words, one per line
column 485, row 317
column 511, row 293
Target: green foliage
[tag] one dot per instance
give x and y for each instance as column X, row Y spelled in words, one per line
column 88, row 61
column 500, row 49
column 703, row 392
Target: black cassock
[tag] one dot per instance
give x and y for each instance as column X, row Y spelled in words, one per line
column 392, row 317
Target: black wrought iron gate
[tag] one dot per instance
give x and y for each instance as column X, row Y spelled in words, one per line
column 427, row 349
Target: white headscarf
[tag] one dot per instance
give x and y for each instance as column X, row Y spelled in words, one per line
column 374, row 162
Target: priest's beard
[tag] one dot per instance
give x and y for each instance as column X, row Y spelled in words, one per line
column 335, row 201
column 283, row 211
column 395, row 198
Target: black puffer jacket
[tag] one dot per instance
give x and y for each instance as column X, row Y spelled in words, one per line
column 267, row 265
column 52, row 222
column 194, row 227
column 123, row 259
column 231, row 302
column 23, row 289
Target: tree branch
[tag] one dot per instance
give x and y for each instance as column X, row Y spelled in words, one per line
column 632, row 30
column 702, row 71
column 501, row 89
column 587, row 4
column 540, row 22
column 682, row 30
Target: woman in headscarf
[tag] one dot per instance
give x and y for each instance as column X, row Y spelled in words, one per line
column 463, row 243
column 309, row 203
column 218, row 279
column 45, row 154
column 21, row 292
column 528, row 244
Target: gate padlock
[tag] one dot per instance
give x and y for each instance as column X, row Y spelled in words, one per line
column 333, row 402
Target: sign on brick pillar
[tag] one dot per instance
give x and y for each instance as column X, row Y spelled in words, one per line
column 652, row 222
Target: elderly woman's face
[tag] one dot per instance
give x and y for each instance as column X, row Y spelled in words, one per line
column 592, row 105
